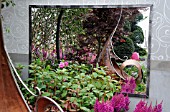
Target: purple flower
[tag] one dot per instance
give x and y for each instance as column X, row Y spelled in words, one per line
column 45, row 53
column 127, row 102
column 53, row 53
column 142, row 107
column 158, row 108
column 120, row 102
column 149, row 108
column 66, row 63
column 129, row 86
column 61, row 65
column 97, row 103
column 103, row 107
column 37, row 52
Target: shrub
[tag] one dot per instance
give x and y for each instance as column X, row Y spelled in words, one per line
column 140, row 50
column 124, row 48
column 75, row 86
column 137, row 35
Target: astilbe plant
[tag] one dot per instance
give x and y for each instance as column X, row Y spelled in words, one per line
column 129, row 86
column 103, row 107
column 118, row 103
column 143, row 107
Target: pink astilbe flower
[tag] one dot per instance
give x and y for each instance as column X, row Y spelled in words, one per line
column 135, row 56
column 142, row 107
column 149, row 108
column 158, row 108
column 61, row 65
column 120, row 102
column 129, row 86
column 103, row 107
column 96, row 105
column 107, row 107
column 127, row 102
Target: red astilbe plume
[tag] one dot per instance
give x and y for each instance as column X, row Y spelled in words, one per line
column 118, row 103
column 143, row 107
column 129, row 86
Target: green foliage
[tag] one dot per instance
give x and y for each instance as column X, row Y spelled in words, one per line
column 125, row 48
column 7, row 3
column 137, row 35
column 132, row 71
column 72, row 26
column 19, row 68
column 127, row 25
column 78, row 84
column 139, row 17
column 44, row 22
column 140, row 50
column 141, row 88
column 44, row 26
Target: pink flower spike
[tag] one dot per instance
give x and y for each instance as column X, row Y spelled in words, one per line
column 61, row 65
column 96, row 105
column 135, row 56
column 66, row 63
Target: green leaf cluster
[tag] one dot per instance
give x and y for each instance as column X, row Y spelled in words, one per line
column 78, row 84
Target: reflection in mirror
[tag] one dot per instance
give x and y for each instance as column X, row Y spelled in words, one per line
column 90, row 49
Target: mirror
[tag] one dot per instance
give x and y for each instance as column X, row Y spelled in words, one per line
column 114, row 37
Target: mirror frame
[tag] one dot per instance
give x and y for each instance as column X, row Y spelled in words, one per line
column 104, row 6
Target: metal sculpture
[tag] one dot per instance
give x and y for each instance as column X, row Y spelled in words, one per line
column 106, row 55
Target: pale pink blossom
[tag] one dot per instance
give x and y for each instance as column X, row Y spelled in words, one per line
column 135, row 56
column 61, row 65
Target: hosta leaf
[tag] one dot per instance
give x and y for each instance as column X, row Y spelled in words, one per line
column 85, row 109
column 90, row 86
column 95, row 74
column 48, row 67
column 111, row 85
column 72, row 99
column 55, row 98
column 101, row 94
column 64, row 93
column 96, row 91
column 31, row 97
column 109, row 95
column 46, row 94
column 98, row 85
